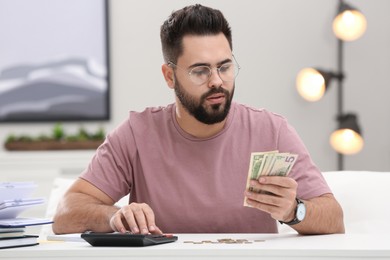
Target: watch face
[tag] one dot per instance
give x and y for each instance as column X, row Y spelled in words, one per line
column 301, row 211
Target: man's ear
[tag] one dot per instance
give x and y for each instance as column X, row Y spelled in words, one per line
column 168, row 75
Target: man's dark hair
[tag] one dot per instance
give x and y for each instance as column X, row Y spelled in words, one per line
column 191, row 20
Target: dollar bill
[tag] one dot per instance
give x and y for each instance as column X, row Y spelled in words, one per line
column 256, row 166
column 270, row 163
column 281, row 164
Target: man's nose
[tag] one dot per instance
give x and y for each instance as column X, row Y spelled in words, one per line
column 215, row 80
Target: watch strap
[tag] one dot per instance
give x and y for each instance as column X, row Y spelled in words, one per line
column 295, row 220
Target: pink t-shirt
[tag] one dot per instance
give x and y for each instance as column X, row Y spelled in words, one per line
column 197, row 185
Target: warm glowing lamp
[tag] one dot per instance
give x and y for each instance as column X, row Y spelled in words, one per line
column 349, row 24
column 312, row 83
column 347, row 138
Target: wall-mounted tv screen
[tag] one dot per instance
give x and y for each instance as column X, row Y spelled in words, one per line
column 54, row 60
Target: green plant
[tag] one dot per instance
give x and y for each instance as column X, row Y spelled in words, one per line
column 58, row 134
column 100, row 134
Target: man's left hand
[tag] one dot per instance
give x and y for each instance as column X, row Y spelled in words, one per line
column 277, row 198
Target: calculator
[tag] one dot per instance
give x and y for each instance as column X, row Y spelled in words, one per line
column 126, row 239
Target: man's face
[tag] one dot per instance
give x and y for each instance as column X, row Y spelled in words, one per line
column 200, row 108
column 210, row 102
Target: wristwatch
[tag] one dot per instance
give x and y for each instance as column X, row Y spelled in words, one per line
column 300, row 212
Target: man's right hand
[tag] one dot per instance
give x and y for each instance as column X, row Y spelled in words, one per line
column 138, row 218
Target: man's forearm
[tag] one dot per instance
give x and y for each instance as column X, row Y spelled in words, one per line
column 78, row 213
column 323, row 216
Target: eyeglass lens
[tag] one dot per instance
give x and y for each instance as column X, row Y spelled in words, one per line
column 201, row 74
column 227, row 72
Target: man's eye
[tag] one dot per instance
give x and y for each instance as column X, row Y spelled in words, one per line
column 200, row 71
column 225, row 68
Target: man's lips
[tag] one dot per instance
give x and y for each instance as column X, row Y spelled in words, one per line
column 216, row 98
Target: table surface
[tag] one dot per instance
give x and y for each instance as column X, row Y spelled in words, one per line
column 264, row 246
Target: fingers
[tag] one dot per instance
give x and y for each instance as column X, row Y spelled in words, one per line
column 140, row 218
column 137, row 218
column 260, row 201
column 277, row 196
column 116, row 222
column 276, row 185
column 264, row 201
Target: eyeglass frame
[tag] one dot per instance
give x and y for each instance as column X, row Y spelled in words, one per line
column 189, row 71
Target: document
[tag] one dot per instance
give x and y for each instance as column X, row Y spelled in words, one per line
column 16, row 190
column 13, row 200
column 12, row 208
column 23, row 222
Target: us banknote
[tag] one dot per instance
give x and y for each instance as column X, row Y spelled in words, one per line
column 270, row 163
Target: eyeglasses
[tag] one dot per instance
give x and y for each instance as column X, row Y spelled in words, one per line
column 201, row 74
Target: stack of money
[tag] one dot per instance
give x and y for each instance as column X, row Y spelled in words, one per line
column 270, row 163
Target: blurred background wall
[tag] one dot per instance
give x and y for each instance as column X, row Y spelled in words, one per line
column 272, row 41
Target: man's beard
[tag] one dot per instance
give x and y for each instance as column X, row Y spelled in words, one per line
column 208, row 115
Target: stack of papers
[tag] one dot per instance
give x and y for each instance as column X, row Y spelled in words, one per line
column 16, row 190
column 14, row 199
column 12, row 208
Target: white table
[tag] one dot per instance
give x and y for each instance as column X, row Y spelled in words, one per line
column 275, row 246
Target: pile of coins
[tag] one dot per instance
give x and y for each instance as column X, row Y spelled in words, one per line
column 225, row 241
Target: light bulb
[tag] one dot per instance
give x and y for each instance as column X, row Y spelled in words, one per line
column 310, row 84
column 346, row 141
column 349, row 25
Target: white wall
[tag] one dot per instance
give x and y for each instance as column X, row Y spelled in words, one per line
column 273, row 40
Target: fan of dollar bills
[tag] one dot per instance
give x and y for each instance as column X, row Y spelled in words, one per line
column 270, row 163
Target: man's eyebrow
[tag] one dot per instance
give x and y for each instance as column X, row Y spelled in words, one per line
column 223, row 62
column 208, row 64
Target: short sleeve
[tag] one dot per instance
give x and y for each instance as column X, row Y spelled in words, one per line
column 310, row 181
column 110, row 169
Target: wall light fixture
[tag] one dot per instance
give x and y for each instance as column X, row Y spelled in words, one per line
column 312, row 83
